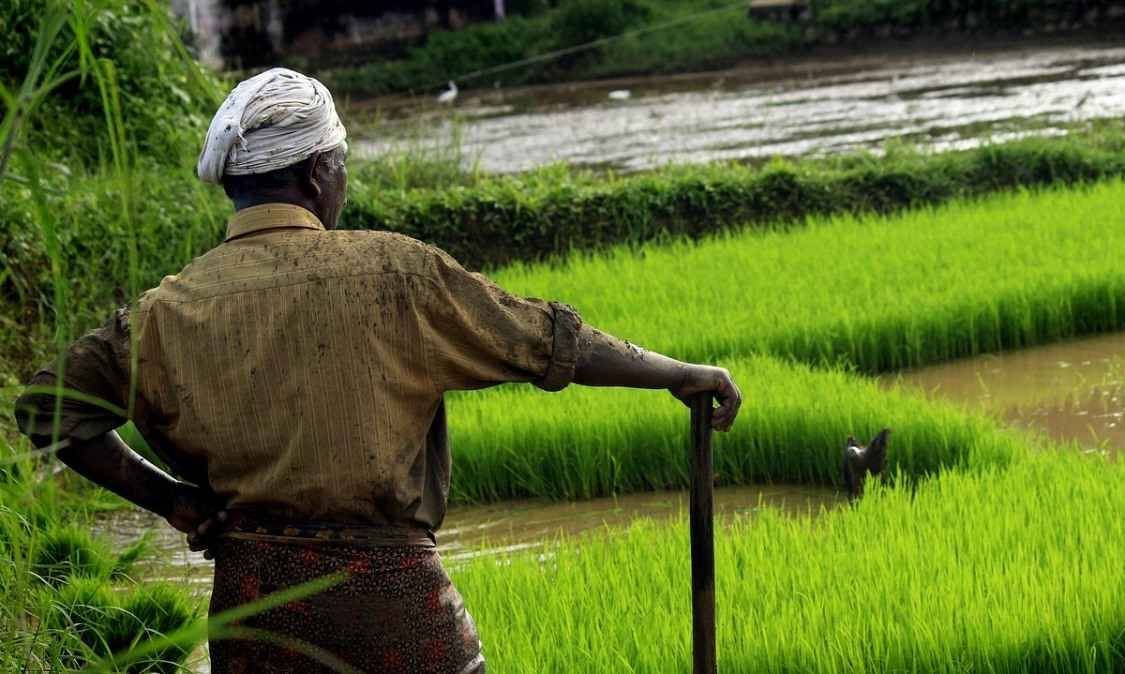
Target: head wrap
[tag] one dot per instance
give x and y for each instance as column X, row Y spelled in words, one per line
column 270, row 121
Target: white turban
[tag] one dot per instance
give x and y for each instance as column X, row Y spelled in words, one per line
column 270, row 121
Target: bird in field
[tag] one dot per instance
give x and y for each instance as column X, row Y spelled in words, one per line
column 860, row 460
column 620, row 94
column 449, row 95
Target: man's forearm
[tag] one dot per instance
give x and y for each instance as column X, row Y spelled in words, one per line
column 109, row 462
column 604, row 360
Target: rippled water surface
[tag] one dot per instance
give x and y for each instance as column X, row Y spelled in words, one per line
column 1073, row 391
column 945, row 101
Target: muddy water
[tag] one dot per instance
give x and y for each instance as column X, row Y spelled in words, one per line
column 945, row 101
column 472, row 531
column 1073, row 391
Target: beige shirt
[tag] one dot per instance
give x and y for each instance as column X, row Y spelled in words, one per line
column 300, row 372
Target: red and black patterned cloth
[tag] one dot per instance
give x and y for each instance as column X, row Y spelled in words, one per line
column 395, row 609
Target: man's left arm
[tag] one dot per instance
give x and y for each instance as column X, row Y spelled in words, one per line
column 78, row 419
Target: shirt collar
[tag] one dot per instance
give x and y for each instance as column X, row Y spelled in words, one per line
column 270, row 216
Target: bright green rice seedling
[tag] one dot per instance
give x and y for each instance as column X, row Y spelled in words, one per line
column 878, row 293
column 92, row 621
column 1001, row 570
column 67, row 551
column 874, row 293
column 584, row 443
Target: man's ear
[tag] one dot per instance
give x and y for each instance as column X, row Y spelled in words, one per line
column 309, row 182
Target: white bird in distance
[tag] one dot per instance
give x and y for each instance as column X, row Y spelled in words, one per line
column 449, row 95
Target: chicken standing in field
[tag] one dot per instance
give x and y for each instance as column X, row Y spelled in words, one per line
column 860, row 460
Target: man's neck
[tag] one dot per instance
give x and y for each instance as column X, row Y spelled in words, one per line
column 275, row 198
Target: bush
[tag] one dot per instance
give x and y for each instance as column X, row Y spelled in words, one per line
column 166, row 99
column 502, row 219
column 581, row 21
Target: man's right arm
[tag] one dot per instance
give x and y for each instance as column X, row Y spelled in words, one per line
column 480, row 335
column 604, row 360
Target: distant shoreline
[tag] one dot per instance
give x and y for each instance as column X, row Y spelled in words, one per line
column 745, row 48
column 819, row 61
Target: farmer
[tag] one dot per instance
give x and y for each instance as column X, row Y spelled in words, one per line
column 292, row 379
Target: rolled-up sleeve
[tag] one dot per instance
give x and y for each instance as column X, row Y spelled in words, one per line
column 478, row 335
column 95, row 385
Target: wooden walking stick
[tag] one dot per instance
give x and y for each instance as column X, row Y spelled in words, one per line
column 702, row 538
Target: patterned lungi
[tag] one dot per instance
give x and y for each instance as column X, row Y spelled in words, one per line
column 394, row 609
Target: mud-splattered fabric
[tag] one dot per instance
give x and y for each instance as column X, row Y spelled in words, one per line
column 303, row 370
column 395, row 611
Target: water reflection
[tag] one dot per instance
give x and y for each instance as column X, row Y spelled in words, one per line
column 491, row 529
column 1072, row 391
column 946, row 101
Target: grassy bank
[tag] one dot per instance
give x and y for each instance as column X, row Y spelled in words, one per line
column 1002, row 570
column 492, row 221
column 667, row 36
column 583, row 443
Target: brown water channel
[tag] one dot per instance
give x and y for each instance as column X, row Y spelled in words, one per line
column 1072, row 391
column 944, row 100
column 472, row 531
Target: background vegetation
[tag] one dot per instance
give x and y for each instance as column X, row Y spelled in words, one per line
column 665, row 36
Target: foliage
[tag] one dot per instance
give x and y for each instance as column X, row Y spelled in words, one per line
column 177, row 219
column 166, row 97
column 550, row 212
column 676, row 35
column 581, row 21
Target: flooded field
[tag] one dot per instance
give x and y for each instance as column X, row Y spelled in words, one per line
column 944, row 101
column 1072, row 391
column 473, row 531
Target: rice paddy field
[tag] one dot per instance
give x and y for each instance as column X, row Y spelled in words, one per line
column 1003, row 570
column 799, row 316
column 879, row 294
column 988, row 550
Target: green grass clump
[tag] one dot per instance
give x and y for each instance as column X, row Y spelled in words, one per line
column 1001, row 570
column 583, row 443
column 66, row 551
column 875, row 293
column 94, row 623
column 64, row 603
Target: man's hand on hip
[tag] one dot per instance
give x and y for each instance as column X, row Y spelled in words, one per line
column 195, row 513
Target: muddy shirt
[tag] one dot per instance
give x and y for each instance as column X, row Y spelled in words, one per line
column 300, row 371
